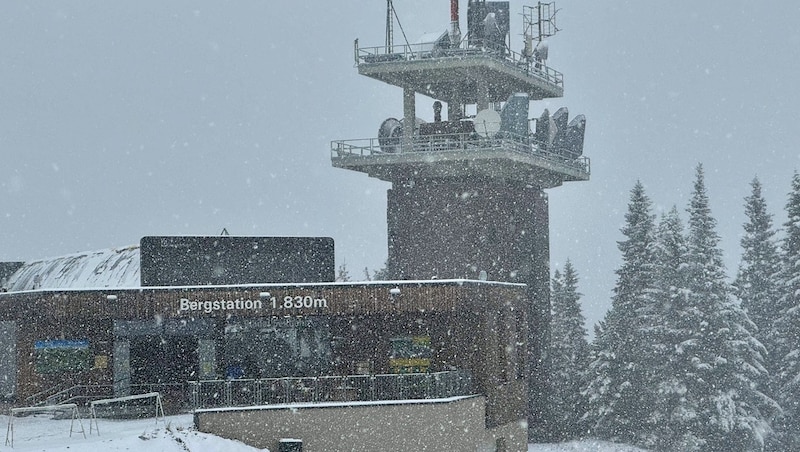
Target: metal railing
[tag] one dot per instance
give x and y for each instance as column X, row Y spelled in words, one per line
column 414, row 52
column 270, row 391
column 366, row 147
column 84, row 393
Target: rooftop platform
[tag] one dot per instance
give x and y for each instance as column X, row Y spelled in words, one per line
column 455, row 73
column 460, row 156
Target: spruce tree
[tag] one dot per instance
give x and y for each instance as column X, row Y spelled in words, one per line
column 756, row 282
column 669, row 296
column 787, row 332
column 569, row 353
column 720, row 361
column 618, row 391
column 342, row 273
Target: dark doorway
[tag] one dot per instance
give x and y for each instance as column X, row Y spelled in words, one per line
column 163, row 359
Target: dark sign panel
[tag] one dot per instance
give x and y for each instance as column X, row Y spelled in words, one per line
column 221, row 260
column 62, row 356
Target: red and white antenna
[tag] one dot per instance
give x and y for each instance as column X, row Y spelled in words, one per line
column 455, row 32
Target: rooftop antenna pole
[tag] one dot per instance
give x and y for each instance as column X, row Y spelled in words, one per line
column 455, row 33
column 539, row 24
column 389, row 27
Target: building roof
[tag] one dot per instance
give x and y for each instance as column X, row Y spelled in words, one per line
column 117, row 267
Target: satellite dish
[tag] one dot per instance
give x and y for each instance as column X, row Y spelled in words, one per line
column 487, row 123
column 574, row 139
column 389, row 135
column 560, row 117
column 514, row 116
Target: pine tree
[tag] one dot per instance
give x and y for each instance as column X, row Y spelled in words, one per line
column 668, row 299
column 569, row 353
column 756, row 282
column 618, row 390
column 787, row 332
column 720, row 361
column 342, row 274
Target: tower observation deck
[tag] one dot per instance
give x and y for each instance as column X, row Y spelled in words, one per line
column 467, row 197
column 497, row 142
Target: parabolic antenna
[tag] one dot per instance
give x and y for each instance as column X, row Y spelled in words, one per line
column 487, row 123
column 389, row 135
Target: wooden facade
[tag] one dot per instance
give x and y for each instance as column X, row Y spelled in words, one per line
column 474, row 326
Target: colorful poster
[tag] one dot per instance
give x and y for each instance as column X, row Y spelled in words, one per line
column 62, row 356
column 410, row 354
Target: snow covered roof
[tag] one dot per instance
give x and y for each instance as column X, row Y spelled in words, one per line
column 92, row 269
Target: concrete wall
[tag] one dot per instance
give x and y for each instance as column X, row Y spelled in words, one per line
column 443, row 425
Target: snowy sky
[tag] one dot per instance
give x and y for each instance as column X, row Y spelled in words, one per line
column 121, row 120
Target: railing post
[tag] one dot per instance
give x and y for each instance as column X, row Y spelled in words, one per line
column 194, row 396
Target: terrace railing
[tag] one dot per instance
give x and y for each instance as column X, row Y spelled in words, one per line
column 455, row 143
column 270, row 391
column 422, row 51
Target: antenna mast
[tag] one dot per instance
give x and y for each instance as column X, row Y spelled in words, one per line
column 389, row 27
column 455, row 32
column 539, row 23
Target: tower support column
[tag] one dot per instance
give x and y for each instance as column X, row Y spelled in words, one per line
column 483, row 94
column 409, row 118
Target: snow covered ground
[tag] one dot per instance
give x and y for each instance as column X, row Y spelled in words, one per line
column 42, row 433
column 583, row 446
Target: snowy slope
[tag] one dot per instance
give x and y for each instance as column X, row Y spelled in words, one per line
column 176, row 434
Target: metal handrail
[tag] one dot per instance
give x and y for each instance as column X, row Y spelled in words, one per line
column 39, row 397
column 249, row 392
column 411, row 52
column 87, row 392
column 366, row 147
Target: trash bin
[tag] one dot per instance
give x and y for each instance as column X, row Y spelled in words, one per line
column 290, row 445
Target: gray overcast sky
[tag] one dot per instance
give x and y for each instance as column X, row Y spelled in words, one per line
column 125, row 119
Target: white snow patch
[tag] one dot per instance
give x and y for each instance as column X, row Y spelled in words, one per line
column 177, row 434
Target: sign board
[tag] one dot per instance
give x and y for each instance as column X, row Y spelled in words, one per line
column 60, row 356
column 223, row 260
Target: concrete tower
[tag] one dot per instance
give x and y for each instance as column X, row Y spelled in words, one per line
column 468, row 193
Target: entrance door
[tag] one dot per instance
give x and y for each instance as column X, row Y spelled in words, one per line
column 163, row 359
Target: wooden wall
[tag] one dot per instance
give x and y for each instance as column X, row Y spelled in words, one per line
column 474, row 326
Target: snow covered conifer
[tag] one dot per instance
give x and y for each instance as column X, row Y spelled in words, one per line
column 569, row 353
column 787, row 333
column 721, row 363
column 756, row 282
column 618, row 391
column 669, row 296
column 342, row 273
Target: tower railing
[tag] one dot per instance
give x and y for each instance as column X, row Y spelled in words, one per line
column 453, row 144
column 423, row 51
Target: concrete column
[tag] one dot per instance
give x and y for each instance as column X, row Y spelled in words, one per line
column 8, row 357
column 206, row 354
column 454, row 109
column 409, row 118
column 122, row 368
column 483, row 94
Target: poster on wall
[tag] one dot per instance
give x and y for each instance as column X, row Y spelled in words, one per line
column 410, row 354
column 62, row 356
